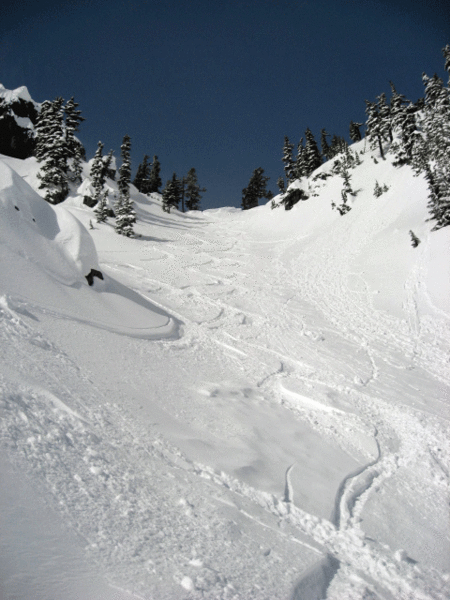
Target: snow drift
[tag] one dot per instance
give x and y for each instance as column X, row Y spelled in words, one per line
column 47, row 254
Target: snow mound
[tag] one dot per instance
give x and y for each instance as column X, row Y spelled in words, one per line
column 46, row 254
column 20, row 93
column 48, row 236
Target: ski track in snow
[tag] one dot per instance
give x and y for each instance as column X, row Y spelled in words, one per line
column 181, row 528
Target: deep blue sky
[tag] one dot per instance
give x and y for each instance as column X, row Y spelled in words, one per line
column 217, row 86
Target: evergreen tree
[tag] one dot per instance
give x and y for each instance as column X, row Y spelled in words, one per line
column 141, row 181
column 300, row 163
column 166, row 196
column 446, row 53
column 255, row 190
column 342, row 167
column 108, row 171
column 414, row 239
column 171, row 194
column 431, row 152
column 378, row 190
column 75, row 150
column 403, row 123
column 42, row 130
column 73, row 120
column 280, row 184
column 52, row 152
column 374, row 127
column 193, row 191
column 125, row 215
column 337, row 146
column 288, row 161
column 97, row 172
column 154, row 178
column 398, row 105
column 324, row 144
column 76, row 167
column 312, row 155
column 384, row 113
column 405, row 120
column 101, row 209
column 355, row 133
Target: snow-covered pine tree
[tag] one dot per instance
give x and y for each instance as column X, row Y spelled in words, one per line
column 403, row 124
column 414, row 239
column 154, row 179
column 52, row 152
column 75, row 150
column 378, row 190
column 125, row 215
column 166, row 195
column 342, row 167
column 108, row 171
column 101, row 208
column 374, row 127
column 312, row 155
column 446, row 53
column 300, row 163
column 97, row 172
column 430, row 154
column 289, row 167
column 193, row 191
column 398, row 104
column 406, row 121
column 255, row 190
column 384, row 112
column 42, row 130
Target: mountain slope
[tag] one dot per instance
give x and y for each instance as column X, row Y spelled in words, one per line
column 290, row 442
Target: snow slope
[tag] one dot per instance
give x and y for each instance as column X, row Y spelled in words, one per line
column 272, row 420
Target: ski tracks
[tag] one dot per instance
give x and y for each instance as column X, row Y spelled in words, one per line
column 228, row 300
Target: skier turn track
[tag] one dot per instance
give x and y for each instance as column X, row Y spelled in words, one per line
column 293, row 442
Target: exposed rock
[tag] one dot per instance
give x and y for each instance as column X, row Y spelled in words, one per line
column 18, row 116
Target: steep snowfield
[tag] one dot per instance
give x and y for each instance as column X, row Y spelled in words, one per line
column 251, row 405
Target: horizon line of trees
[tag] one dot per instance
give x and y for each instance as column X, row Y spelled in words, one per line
column 417, row 133
column 61, row 154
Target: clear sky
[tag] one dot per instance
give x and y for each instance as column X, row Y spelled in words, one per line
column 217, row 85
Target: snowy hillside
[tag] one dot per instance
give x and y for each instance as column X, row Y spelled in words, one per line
column 250, row 405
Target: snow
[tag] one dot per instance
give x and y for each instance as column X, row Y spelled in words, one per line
column 20, row 93
column 24, row 122
column 250, row 405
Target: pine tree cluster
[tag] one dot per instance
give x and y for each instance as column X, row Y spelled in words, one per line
column 57, row 148
column 417, row 134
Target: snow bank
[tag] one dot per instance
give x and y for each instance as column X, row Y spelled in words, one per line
column 48, row 236
column 46, row 255
column 20, row 93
